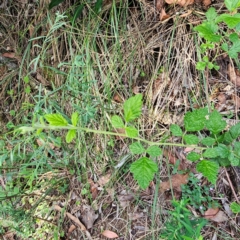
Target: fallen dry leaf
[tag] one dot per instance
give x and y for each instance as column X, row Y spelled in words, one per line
column 234, row 78
column 104, row 179
column 109, row 234
column 222, row 98
column 163, row 15
column 125, row 198
column 9, row 55
column 176, row 181
column 88, row 216
column 215, row 215
column 117, row 98
column 206, row 3
column 236, row 100
column 159, row 5
column 93, row 188
column 182, row 3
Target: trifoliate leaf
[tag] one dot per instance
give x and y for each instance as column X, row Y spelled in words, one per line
column 193, row 156
column 56, row 119
column 210, row 153
column 232, row 4
column 74, row 119
column 215, row 123
column 231, row 20
column 235, row 207
column 154, row 151
column 137, row 148
column 223, row 151
column 208, row 141
column 71, row 134
column 117, row 122
column 195, row 120
column 176, row 130
column 235, row 130
column 132, row 108
column 143, row 171
column 191, row 139
column 209, row 170
column 131, row 132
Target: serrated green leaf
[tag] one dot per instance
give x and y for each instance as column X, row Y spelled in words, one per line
column 234, row 37
column 225, row 47
column 193, row 156
column 233, row 160
column 237, row 148
column 137, row 148
column 131, row 132
column 231, row 20
column 56, row 119
column 74, row 119
column 211, row 153
column 132, row 108
column 224, row 162
column 154, row 151
column 215, row 123
column 208, row 141
column 211, row 14
column 143, row 171
column 227, row 138
column 235, row 207
column 235, row 130
column 117, row 122
column 176, row 130
column 234, row 50
column 207, row 30
column 232, row 4
column 195, row 120
column 191, row 139
column 209, row 170
column 71, row 134
column 223, row 151
column 201, row 66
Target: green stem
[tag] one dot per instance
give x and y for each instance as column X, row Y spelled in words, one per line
column 70, row 127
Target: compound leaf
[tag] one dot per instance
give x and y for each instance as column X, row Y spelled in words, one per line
column 56, row 119
column 209, row 170
column 143, row 171
column 132, row 108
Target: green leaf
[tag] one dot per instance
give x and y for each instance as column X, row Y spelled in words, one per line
column 235, row 207
column 209, row 170
column 207, row 30
column 215, row 123
column 233, row 160
column 56, row 119
column 74, row 119
column 131, row 132
column 211, row 153
column 234, row 50
column 225, row 47
column 223, row 151
column 132, row 108
column 143, row 171
column 154, row 151
column 193, row 156
column 208, row 141
column 235, row 130
column 234, row 37
column 54, row 3
column 71, row 134
column 201, row 66
column 231, row 20
column 232, row 4
column 191, row 139
column 237, row 148
column 211, row 14
column 137, row 148
column 195, row 120
column 227, row 138
column 117, row 122
column 176, row 130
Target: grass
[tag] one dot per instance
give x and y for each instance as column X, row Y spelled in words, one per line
column 80, row 68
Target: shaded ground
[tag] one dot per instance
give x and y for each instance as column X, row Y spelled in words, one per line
column 47, row 65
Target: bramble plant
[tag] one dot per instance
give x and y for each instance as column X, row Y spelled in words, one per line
column 215, row 36
column 203, row 131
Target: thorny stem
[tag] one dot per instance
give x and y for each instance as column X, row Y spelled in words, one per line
column 89, row 130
